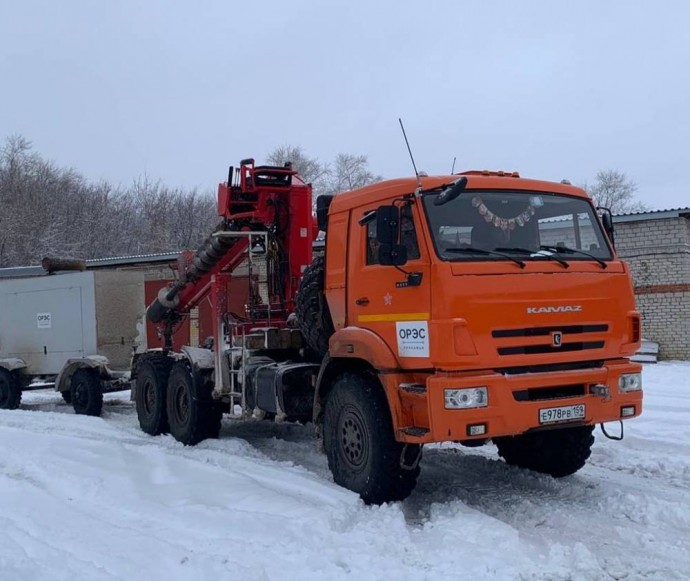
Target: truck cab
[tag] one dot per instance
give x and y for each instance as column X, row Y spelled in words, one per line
column 489, row 307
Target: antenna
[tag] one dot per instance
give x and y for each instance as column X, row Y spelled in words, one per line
column 416, row 173
column 452, row 169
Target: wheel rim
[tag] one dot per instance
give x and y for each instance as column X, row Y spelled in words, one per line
column 181, row 404
column 149, row 398
column 81, row 395
column 354, row 438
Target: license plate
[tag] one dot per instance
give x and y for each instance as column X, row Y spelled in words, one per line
column 566, row 413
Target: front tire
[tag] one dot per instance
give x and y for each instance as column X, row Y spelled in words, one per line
column 10, row 392
column 150, row 396
column 362, row 453
column 193, row 416
column 86, row 393
column 559, row 452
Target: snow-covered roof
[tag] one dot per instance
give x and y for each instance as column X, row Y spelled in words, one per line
column 652, row 215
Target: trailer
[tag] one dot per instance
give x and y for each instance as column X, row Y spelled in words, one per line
column 74, row 331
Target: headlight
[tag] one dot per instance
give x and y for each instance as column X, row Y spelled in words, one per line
column 630, row 382
column 473, row 397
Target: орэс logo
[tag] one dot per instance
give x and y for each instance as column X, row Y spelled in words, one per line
column 559, row 309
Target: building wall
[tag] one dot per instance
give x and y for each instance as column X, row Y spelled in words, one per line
column 658, row 253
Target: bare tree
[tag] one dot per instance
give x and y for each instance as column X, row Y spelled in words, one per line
column 350, row 172
column 614, row 190
column 310, row 169
column 45, row 209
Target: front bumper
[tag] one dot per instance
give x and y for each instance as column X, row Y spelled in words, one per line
column 514, row 401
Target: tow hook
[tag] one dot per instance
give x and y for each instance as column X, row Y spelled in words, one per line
column 609, row 436
column 600, row 390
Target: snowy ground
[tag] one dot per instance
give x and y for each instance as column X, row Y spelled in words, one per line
column 94, row 498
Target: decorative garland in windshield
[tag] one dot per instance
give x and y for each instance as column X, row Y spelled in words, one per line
column 508, row 223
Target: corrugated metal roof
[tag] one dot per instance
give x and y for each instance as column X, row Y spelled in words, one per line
column 135, row 259
column 652, row 215
column 162, row 257
column 25, row 271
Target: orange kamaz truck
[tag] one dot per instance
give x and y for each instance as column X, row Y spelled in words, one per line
column 473, row 308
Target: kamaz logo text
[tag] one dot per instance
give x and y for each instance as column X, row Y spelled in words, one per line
column 561, row 309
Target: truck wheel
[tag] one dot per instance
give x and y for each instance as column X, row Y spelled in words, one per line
column 151, row 386
column 558, row 452
column 192, row 414
column 10, row 392
column 86, row 393
column 311, row 308
column 358, row 437
column 66, row 396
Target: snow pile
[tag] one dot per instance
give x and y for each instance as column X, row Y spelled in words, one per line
column 94, row 498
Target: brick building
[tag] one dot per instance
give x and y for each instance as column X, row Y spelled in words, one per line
column 656, row 245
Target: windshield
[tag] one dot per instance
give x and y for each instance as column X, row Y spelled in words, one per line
column 483, row 225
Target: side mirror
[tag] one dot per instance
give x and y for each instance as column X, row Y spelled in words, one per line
column 451, row 192
column 323, row 203
column 392, row 254
column 607, row 222
column 388, row 225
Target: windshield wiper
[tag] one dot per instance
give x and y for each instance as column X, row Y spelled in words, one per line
column 535, row 253
column 473, row 250
column 568, row 250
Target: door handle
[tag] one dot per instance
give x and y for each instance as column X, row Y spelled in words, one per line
column 362, row 301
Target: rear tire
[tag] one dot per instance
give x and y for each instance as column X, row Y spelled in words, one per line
column 10, row 391
column 193, row 415
column 560, row 452
column 86, row 393
column 311, row 308
column 362, row 453
column 151, row 389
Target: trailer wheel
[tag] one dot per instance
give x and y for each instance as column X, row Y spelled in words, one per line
column 362, row 453
column 86, row 393
column 311, row 308
column 560, row 452
column 10, row 392
column 192, row 414
column 151, row 388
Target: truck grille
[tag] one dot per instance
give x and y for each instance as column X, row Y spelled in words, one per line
column 551, row 367
column 546, row 331
column 566, row 345
column 538, row 349
column 546, row 393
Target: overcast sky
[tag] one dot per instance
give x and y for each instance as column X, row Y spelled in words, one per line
column 180, row 90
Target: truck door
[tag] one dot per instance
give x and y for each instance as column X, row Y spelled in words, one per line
column 381, row 299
